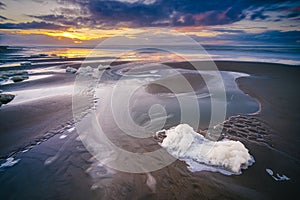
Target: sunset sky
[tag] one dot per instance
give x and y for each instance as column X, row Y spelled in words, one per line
column 87, row 22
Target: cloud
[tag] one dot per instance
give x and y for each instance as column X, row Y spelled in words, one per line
column 211, row 15
column 178, row 12
column 276, row 37
column 2, row 18
column 266, row 38
column 161, row 13
column 228, row 30
column 33, row 39
column 171, row 13
column 2, row 6
column 67, row 20
column 31, row 25
column 293, row 14
column 258, row 15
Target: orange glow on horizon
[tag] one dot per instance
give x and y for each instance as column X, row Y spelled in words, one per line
column 80, row 35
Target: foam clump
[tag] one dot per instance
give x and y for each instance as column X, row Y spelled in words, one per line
column 88, row 71
column 92, row 72
column 185, row 144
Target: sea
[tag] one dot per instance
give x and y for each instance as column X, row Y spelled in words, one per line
column 283, row 54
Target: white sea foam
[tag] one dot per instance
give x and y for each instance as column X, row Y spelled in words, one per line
column 71, row 129
column 63, row 136
column 87, row 71
column 227, row 157
column 151, row 182
column 9, row 162
column 277, row 177
column 51, row 159
column 92, row 72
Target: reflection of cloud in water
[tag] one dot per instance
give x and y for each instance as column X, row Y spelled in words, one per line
column 23, row 96
column 101, row 175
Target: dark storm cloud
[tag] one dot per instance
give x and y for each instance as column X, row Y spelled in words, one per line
column 68, row 20
column 107, row 14
column 267, row 37
column 228, row 30
column 30, row 25
column 258, row 15
column 2, row 18
column 145, row 13
column 170, row 12
column 288, row 37
column 293, row 15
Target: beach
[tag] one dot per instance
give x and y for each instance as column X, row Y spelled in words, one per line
column 38, row 132
column 149, row 99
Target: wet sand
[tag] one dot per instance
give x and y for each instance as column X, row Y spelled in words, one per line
column 270, row 135
column 274, row 86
